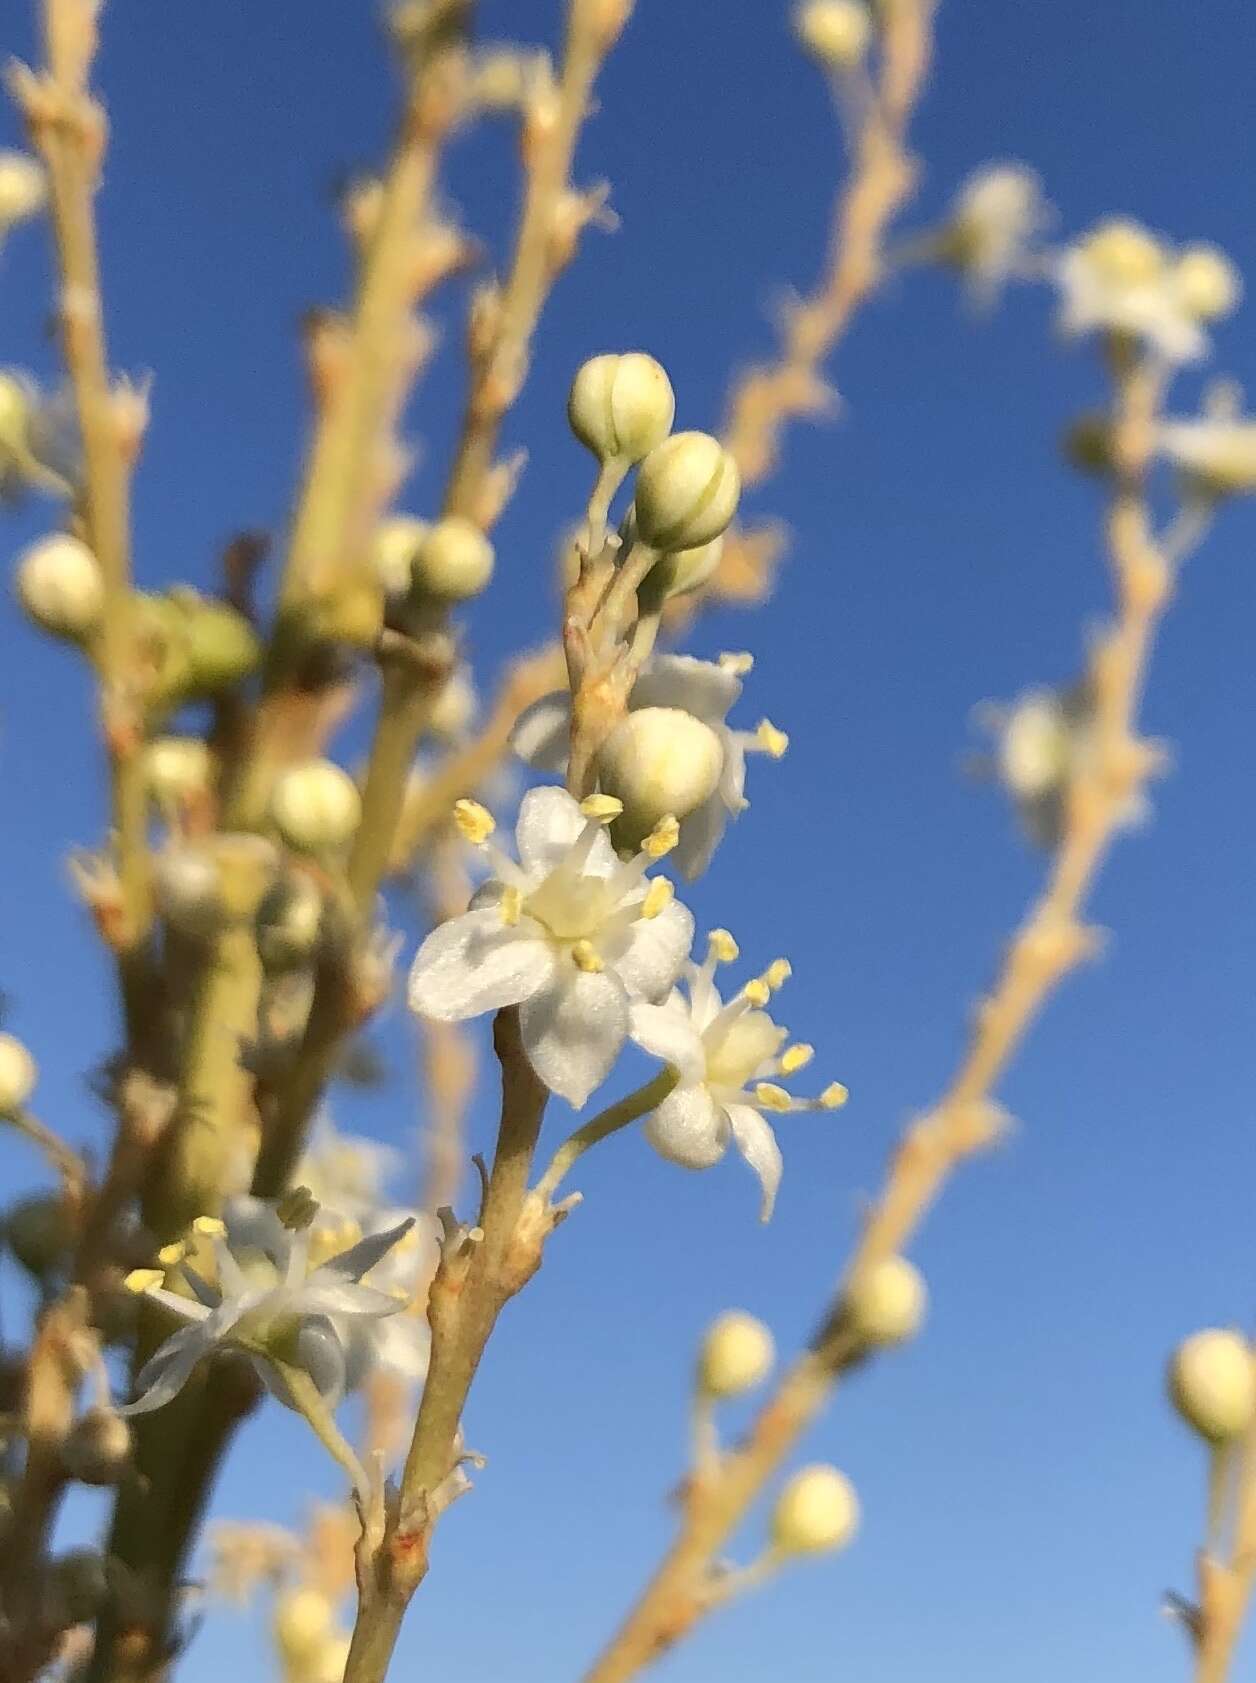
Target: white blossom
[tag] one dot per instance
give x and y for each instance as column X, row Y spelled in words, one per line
column 995, row 219
column 1121, row 279
column 1217, row 452
column 728, row 1058
column 706, row 689
column 570, row 934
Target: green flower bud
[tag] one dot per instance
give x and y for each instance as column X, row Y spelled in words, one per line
column 454, row 561
column 620, row 407
column 1088, row 444
column 178, row 769
column 40, row 1232
column 60, row 586
column 886, row 1304
column 188, row 886
column 223, row 647
column 687, row 491
column 737, row 1354
column 289, row 923
column 834, row 32
column 1212, row 1384
column 397, row 542
column 817, row 1510
column 18, row 1074
column 98, row 1447
column 658, row 761
column 316, row 807
column 685, row 570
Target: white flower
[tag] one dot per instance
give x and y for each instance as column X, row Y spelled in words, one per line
column 705, row 688
column 268, row 1301
column 1121, row 279
column 726, row 1056
column 23, row 188
column 1218, row 452
column 569, row 934
column 995, row 218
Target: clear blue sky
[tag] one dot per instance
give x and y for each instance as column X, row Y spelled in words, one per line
column 1027, row 1495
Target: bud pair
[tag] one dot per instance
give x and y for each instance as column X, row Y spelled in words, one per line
column 449, row 559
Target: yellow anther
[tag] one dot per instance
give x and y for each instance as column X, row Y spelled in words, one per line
column 140, row 1280
column 833, row 1097
column 586, row 957
column 475, row 822
column 738, row 663
column 771, row 740
column 603, row 808
column 170, row 1255
column 658, row 897
column 796, row 1058
column 768, row 1096
column 209, row 1227
column 511, row 906
column 722, row 947
column 662, row 838
column 757, row 991
column 778, row 973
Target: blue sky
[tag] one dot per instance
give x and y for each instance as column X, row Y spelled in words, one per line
column 1027, row 1495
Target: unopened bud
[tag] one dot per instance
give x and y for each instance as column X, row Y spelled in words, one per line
column 301, row 1625
column 887, row 1302
column 222, row 646
column 60, row 586
column 316, row 806
column 834, row 32
column 23, row 188
column 659, row 761
column 686, row 570
column 686, row 493
column 98, row 1447
column 1034, row 747
column 817, row 1511
column 1124, row 254
column 397, row 543
column 737, row 1354
column 454, row 560
column 18, row 1074
column 1206, row 282
column 40, row 1232
column 178, row 769
column 1212, row 1383
column 74, row 1589
column 620, row 407
column 188, row 886
column 289, row 923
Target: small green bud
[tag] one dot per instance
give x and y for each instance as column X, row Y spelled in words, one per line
column 658, row 761
column 397, row 542
column 18, row 1074
column 178, row 769
column 60, row 586
column 454, row 560
column 887, row 1303
column 817, row 1511
column 737, row 1354
column 316, row 807
column 621, row 406
column 188, row 884
column 687, row 491
column 98, row 1447
column 1088, row 444
column 40, row 1232
column 1212, row 1384
column 683, row 571
column 289, row 923
column 223, row 647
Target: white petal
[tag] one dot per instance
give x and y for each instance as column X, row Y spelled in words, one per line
column 574, row 1030
column 700, row 687
column 732, row 789
column 654, row 951
column 329, row 1296
column 475, row 963
column 688, row 1128
column 757, row 1144
column 666, row 1031
column 359, row 1259
column 542, row 734
column 170, row 1366
column 549, row 821
column 699, row 837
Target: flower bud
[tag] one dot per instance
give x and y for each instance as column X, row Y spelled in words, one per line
column 687, row 491
column 886, row 1304
column 397, row 541
column 1034, row 746
column 454, row 561
column 188, row 886
column 685, row 570
column 222, row 646
column 737, row 1354
column 834, row 32
column 658, row 760
column 178, row 769
column 1124, row 254
column 620, row 407
column 23, row 188
column 60, row 586
column 18, row 1073
column 1212, row 1384
column 98, row 1447
column 1206, row 282
column 316, row 807
column 289, row 923
column 74, row 1589
column 301, row 1626
column 40, row 1233
column 816, row 1511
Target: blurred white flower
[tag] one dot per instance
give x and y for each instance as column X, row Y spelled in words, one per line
column 1216, row 452
column 706, row 689
column 1121, row 279
column 995, row 219
column 728, row 1058
column 570, row 934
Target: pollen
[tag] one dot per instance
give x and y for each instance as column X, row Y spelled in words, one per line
column 170, row 1255
column 658, row 897
column 738, row 663
column 796, row 1058
column 209, row 1227
column 771, row 1097
column 834, row 1096
column 586, row 957
column 662, row 838
column 511, row 906
column 778, row 973
column 475, row 822
column 757, row 992
column 722, row 947
column 140, row 1280
column 602, row 808
column 771, row 740
column 297, row 1208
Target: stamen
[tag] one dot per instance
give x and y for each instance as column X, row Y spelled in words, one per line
column 601, row 808
column 658, row 897
column 209, row 1227
column 722, row 947
column 770, row 740
column 297, row 1209
column 140, row 1280
column 833, row 1097
column 511, row 906
column 171, row 1255
column 778, row 973
column 738, row 664
column 757, row 992
column 768, row 1096
column 796, row 1058
column 475, row 823
column 662, row 838
column 586, row 957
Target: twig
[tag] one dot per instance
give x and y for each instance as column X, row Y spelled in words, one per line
column 1227, row 1580
column 67, row 1162
column 609, row 1121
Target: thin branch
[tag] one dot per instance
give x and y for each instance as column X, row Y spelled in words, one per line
column 609, row 1121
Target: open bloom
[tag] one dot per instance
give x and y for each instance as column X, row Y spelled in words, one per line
column 706, row 689
column 995, row 219
column 268, row 1301
column 1121, row 279
column 727, row 1057
column 570, row 934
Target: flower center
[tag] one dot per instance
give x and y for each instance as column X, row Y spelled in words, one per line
column 737, row 1054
